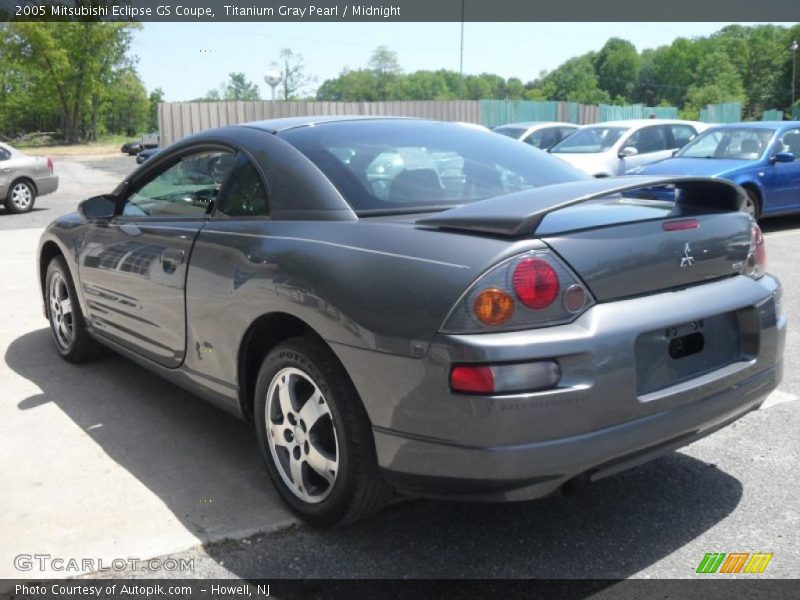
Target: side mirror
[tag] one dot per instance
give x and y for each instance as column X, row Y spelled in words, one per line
column 628, row 151
column 783, row 157
column 98, row 207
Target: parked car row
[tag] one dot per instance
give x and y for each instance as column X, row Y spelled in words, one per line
column 763, row 157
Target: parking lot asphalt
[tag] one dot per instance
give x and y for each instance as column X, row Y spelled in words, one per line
column 108, row 461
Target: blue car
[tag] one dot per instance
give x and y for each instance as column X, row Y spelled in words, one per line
column 763, row 157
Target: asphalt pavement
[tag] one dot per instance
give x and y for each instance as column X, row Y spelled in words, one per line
column 107, row 460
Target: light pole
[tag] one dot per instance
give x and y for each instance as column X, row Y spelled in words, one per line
column 272, row 78
column 793, row 48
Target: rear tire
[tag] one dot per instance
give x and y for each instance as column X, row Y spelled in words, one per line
column 315, row 436
column 21, row 197
column 752, row 204
column 67, row 324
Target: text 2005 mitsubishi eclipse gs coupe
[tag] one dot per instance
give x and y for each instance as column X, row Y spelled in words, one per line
column 484, row 322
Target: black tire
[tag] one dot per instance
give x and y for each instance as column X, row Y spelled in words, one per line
column 755, row 202
column 21, row 197
column 79, row 346
column 358, row 489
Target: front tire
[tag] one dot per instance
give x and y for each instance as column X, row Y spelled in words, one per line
column 21, row 196
column 315, row 437
column 67, row 324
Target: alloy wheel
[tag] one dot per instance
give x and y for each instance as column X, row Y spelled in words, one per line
column 21, row 196
column 61, row 315
column 301, row 435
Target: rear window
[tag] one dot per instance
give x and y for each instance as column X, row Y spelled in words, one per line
column 397, row 166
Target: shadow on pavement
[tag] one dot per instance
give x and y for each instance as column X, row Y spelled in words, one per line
column 200, row 461
column 774, row 224
column 184, row 450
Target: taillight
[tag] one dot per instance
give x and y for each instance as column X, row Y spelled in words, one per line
column 756, row 264
column 505, row 378
column 535, row 283
column 535, row 289
column 50, row 164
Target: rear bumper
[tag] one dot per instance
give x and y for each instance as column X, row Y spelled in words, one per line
column 598, row 419
column 526, row 471
column 46, row 185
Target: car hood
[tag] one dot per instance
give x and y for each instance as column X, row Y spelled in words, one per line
column 591, row 164
column 694, row 167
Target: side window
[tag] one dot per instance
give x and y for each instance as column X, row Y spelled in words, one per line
column 790, row 142
column 565, row 131
column 244, row 194
column 682, row 135
column 188, row 188
column 649, row 139
column 535, row 138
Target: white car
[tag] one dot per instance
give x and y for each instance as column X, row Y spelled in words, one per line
column 540, row 134
column 614, row 147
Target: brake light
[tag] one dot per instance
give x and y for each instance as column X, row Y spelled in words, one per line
column 535, row 283
column 681, row 225
column 756, row 263
column 534, row 289
column 472, row 379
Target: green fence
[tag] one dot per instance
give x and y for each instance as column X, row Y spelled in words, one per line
column 610, row 112
column 796, row 113
column 726, row 112
column 772, row 115
column 500, row 112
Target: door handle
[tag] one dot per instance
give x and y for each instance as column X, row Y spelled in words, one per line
column 171, row 258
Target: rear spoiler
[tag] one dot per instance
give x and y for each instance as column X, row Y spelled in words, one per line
column 521, row 213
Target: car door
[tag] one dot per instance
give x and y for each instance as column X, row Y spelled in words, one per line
column 784, row 177
column 133, row 267
column 652, row 143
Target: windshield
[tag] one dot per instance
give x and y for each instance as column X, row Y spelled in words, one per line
column 405, row 166
column 742, row 144
column 512, row 132
column 589, row 140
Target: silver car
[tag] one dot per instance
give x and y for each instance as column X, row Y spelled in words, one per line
column 23, row 178
column 539, row 134
column 614, row 147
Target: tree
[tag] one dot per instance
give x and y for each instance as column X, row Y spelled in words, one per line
column 126, row 107
column 574, row 81
column 156, row 97
column 716, row 81
column 239, row 88
column 69, row 62
column 617, row 68
column 293, row 74
column 383, row 63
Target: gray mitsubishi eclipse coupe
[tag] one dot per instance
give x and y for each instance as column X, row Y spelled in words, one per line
column 409, row 306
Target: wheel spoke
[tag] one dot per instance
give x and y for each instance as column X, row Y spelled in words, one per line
column 276, row 434
column 64, row 331
column 314, row 408
column 286, row 395
column 321, row 464
column 296, row 468
column 66, row 306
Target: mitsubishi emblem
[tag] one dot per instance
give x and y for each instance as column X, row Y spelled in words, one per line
column 687, row 260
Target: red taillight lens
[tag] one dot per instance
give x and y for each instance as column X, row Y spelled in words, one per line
column 50, row 164
column 681, row 225
column 535, row 283
column 470, row 379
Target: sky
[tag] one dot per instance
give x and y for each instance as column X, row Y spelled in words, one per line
column 188, row 59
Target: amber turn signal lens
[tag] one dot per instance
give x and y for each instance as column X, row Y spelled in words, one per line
column 493, row 307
